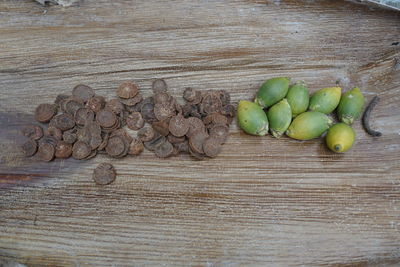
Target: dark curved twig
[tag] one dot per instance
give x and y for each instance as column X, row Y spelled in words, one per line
column 366, row 115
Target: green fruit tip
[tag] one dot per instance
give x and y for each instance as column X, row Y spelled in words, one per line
column 263, row 130
column 276, row 133
column 337, row 147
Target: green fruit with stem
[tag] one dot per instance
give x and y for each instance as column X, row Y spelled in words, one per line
column 340, row 137
column 350, row 106
column 252, row 118
column 325, row 100
column 279, row 118
column 272, row 91
column 309, row 125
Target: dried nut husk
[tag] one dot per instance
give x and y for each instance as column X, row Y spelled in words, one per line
column 309, row 125
column 252, row 118
column 298, row 98
column 340, row 137
column 279, row 118
column 325, row 100
column 272, row 91
column 350, row 106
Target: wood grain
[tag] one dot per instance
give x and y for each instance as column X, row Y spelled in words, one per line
column 264, row 201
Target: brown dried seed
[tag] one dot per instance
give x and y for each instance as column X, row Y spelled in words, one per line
column 104, row 141
column 29, row 147
column 162, row 127
column 96, row 103
column 219, row 132
column 83, row 115
column 46, row 151
column 215, row 118
column 155, row 142
column 225, row 97
column 164, row 111
column 146, row 134
column 212, row 147
column 196, row 141
column 115, row 146
column 136, row 147
column 173, row 139
column 71, row 105
column 178, row 125
column 104, row 174
column 84, row 135
column 44, row 112
column 93, row 127
column 132, row 101
column 182, row 146
column 147, row 110
column 63, row 150
column 115, row 106
column 70, row 136
column 81, row 150
column 189, row 94
column 162, row 97
column 159, row 85
column 164, row 150
column 34, row 132
column 195, row 125
column 83, row 92
column 48, row 140
column 123, row 133
column 135, row 121
column 196, row 155
column 63, row 122
column 210, row 103
column 53, row 131
column 189, row 110
column 106, row 118
column 127, row 90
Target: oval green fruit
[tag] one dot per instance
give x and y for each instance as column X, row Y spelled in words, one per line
column 252, row 118
column 279, row 118
column 350, row 106
column 340, row 137
column 272, row 91
column 298, row 98
column 309, row 125
column 325, row 100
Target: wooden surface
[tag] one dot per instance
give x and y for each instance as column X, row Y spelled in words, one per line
column 263, row 201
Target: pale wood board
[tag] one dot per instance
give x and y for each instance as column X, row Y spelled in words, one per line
column 263, row 201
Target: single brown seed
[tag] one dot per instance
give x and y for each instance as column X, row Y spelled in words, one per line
column 196, row 141
column 96, row 103
column 147, row 110
column 83, row 115
column 81, row 150
column 136, row 147
column 115, row 146
column 29, row 147
column 106, row 118
column 127, row 90
column 155, row 142
column 159, row 85
column 104, row 174
column 215, row 118
column 195, row 125
column 219, row 132
column 44, row 112
column 212, row 147
column 70, row 136
column 115, row 106
column 54, row 131
column 164, row 150
column 63, row 122
column 135, row 121
column 210, row 103
column 131, row 101
column 46, row 151
column 162, row 97
column 178, row 125
column 83, row 92
column 146, row 134
column 162, row 127
column 164, row 111
column 34, row 132
column 71, row 105
column 173, row 139
column 63, row 150
column 197, row 99
column 189, row 94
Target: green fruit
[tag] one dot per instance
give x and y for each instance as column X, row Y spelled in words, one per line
column 279, row 117
column 325, row 100
column 272, row 91
column 252, row 118
column 350, row 106
column 309, row 125
column 298, row 98
column 340, row 137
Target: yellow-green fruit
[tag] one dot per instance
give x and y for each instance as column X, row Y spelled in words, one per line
column 252, row 118
column 350, row 106
column 340, row 137
column 272, row 91
column 298, row 98
column 279, row 118
column 309, row 125
column 325, row 100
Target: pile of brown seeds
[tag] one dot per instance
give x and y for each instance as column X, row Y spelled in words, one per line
column 83, row 124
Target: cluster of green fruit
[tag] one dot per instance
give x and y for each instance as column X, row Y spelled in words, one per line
column 291, row 110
